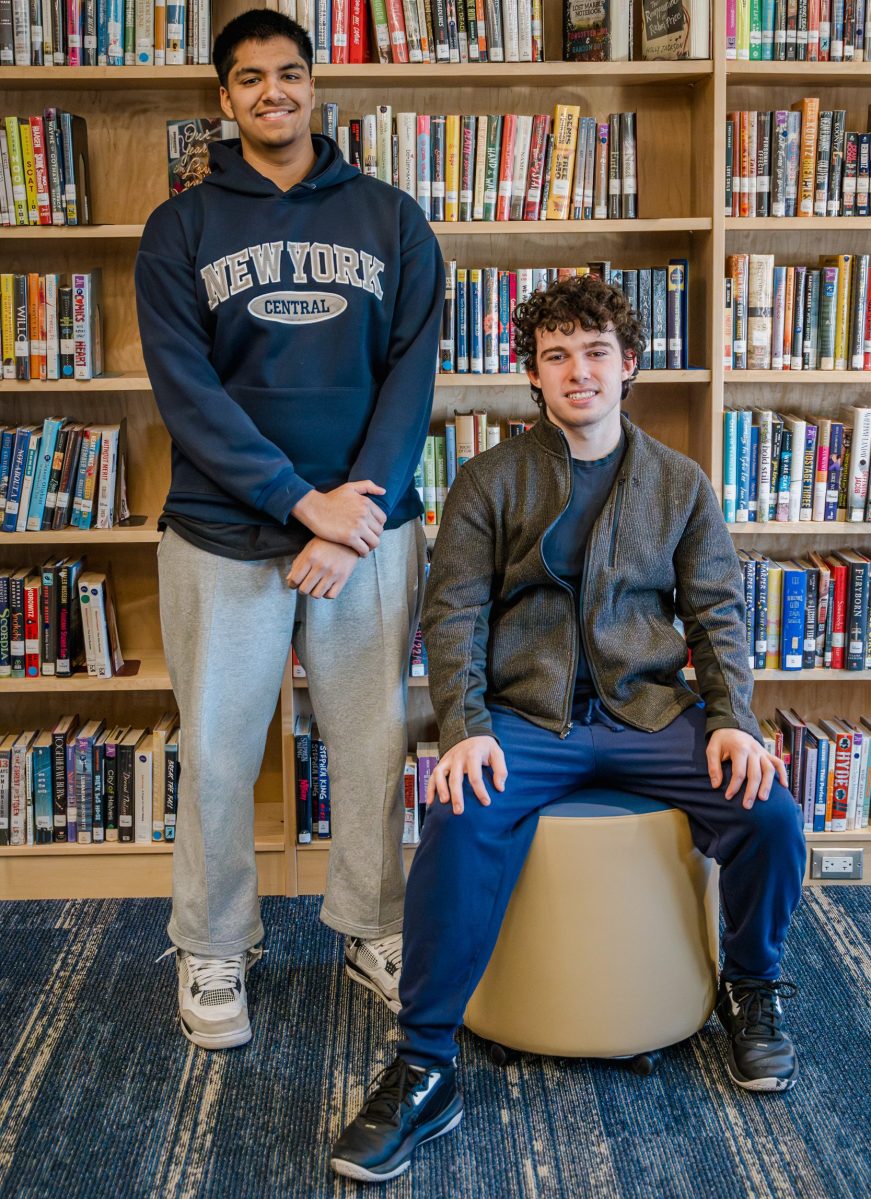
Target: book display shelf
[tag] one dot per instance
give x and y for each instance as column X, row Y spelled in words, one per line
column 681, row 109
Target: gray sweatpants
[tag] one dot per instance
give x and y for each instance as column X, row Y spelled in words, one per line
column 227, row 628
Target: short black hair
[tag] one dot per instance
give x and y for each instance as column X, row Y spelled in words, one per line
column 257, row 25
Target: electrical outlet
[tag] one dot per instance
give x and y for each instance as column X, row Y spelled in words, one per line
column 836, row 863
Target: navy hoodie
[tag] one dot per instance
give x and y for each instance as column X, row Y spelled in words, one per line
column 290, row 337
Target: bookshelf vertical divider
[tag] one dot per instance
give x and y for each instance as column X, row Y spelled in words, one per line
column 681, row 163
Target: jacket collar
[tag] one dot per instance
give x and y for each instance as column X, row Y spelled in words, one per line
column 552, row 439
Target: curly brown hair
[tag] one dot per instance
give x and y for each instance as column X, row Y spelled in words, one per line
column 585, row 301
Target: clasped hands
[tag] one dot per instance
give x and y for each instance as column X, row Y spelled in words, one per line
column 347, row 526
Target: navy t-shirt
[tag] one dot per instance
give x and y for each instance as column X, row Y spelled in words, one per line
column 566, row 543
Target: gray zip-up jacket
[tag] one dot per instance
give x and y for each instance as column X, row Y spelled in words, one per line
column 500, row 628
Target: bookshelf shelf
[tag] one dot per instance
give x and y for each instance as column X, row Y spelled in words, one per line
column 123, row 381
column 816, row 528
column 797, row 378
column 128, row 871
column 135, row 381
column 802, row 676
column 151, row 676
column 369, row 75
column 645, row 378
column 68, row 233
column 117, row 535
column 268, row 838
column 792, row 225
column 837, row 74
column 441, row 228
column 526, row 229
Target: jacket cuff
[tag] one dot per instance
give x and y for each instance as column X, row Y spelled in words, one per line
column 744, row 724
column 452, row 735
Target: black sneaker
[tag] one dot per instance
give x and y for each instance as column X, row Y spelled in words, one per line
column 761, row 1055
column 405, row 1106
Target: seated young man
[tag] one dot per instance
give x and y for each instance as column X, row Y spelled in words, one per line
column 562, row 559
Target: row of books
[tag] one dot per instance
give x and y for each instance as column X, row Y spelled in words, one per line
column 56, row 617
column 827, row 766
column 99, row 33
column 813, row 31
column 87, row 782
column 477, row 334
column 467, row 434
column 421, row 31
column 62, row 474
column 44, row 175
column 467, row 168
column 500, row 166
column 803, row 162
column 605, row 30
column 782, row 318
column 808, row 613
column 791, row 468
column 51, row 326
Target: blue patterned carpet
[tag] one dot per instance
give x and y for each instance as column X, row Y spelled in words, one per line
column 101, row 1097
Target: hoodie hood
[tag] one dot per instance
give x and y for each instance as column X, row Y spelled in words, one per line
column 231, row 172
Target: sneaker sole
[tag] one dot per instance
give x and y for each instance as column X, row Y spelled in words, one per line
column 365, row 981
column 361, row 1174
column 764, row 1084
column 217, row 1040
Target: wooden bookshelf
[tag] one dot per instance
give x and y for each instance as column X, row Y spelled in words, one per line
column 681, row 164
column 458, row 229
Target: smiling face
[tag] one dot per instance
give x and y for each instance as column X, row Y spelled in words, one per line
column 580, row 375
column 269, row 94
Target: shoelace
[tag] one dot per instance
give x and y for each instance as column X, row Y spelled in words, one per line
column 207, row 974
column 390, row 1088
column 391, row 953
column 757, row 1002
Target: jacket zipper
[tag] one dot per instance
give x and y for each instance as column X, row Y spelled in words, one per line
column 615, row 520
column 618, row 504
column 567, row 706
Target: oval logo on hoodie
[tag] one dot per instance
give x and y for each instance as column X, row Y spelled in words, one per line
column 297, row 307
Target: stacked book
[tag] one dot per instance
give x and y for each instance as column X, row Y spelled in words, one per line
column 478, row 337
column 421, row 31
column 800, row 162
column 51, row 326
column 814, row 31
column 782, row 318
column 87, row 782
column 100, row 33
column 790, row 467
column 55, row 618
column 807, row 613
column 44, row 176
column 827, row 766
column 62, row 474
column 500, row 166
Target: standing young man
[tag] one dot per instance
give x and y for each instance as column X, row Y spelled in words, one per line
column 289, row 309
column 562, row 559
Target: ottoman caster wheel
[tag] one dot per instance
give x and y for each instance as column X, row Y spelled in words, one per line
column 501, row 1056
column 644, row 1064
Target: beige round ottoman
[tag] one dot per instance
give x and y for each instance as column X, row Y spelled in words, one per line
column 610, row 944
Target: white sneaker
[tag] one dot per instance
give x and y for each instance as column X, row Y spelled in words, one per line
column 212, row 1004
column 377, row 965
